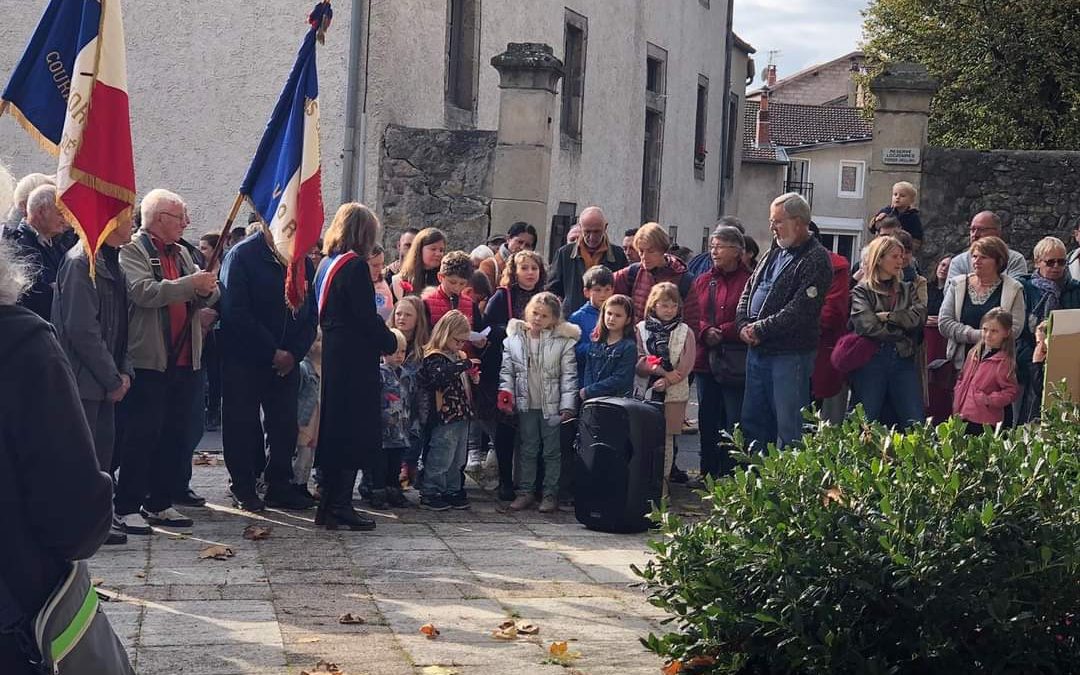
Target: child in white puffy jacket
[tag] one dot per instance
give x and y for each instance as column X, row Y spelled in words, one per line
column 539, row 381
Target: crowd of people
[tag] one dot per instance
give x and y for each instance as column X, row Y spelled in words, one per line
column 481, row 359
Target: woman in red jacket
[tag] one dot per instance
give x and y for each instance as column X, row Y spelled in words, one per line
column 827, row 383
column 718, row 291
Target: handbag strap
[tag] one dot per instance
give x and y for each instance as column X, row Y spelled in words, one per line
column 712, row 303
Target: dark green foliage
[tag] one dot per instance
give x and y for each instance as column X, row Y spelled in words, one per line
column 1009, row 69
column 870, row 551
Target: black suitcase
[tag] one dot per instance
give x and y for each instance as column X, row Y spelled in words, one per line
column 620, row 464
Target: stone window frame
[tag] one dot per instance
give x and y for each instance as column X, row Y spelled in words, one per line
column 860, row 179
column 655, row 104
column 701, row 126
column 571, row 121
column 460, row 116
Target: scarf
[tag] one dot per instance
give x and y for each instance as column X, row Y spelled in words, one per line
column 660, row 339
column 1050, row 300
column 592, row 259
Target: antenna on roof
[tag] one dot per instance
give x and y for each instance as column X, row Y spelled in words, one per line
column 773, row 55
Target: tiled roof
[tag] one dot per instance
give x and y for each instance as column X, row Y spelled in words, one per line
column 856, row 55
column 794, row 126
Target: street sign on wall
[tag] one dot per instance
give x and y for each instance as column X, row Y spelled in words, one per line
column 905, row 156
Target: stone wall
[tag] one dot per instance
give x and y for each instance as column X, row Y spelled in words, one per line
column 1036, row 193
column 436, row 178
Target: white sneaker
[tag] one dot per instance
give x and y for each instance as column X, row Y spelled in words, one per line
column 133, row 523
column 170, row 517
column 473, row 466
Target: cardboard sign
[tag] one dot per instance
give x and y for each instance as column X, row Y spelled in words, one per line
column 1063, row 353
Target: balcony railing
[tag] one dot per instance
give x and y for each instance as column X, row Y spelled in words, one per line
column 805, row 189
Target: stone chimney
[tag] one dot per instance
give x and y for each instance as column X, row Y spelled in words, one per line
column 763, row 131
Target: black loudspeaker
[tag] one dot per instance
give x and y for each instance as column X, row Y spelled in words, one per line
column 619, row 465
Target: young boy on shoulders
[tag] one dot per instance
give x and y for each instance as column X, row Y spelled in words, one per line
column 599, row 284
column 902, row 208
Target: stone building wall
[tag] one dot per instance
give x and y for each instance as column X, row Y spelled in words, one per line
column 1036, row 193
column 436, row 178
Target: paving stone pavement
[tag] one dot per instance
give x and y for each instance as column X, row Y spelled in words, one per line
column 273, row 607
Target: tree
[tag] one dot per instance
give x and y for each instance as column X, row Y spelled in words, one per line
column 1009, row 69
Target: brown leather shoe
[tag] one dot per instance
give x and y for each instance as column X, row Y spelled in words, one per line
column 523, row 502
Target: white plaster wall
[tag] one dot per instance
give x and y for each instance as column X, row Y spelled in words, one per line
column 825, row 175
column 203, row 78
column 759, row 184
column 407, row 80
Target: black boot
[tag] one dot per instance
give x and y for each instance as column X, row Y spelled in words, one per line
column 395, row 498
column 339, row 513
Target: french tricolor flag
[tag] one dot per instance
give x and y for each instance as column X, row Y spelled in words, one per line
column 284, row 182
column 69, row 91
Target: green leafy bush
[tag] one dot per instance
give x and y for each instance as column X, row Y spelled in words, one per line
column 872, row 551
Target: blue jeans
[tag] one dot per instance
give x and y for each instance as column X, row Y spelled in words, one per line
column 719, row 409
column 777, row 389
column 889, row 382
column 446, row 454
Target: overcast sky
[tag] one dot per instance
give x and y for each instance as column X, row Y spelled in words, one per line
column 804, row 31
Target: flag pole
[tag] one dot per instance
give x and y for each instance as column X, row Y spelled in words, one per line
column 215, row 255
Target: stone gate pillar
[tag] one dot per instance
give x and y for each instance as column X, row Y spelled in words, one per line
column 528, row 75
column 903, row 92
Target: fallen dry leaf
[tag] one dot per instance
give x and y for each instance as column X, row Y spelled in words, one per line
column 506, row 631
column 430, row 631
column 204, row 459
column 140, row 575
column 350, row 618
column 324, row 667
column 673, row 668
column 561, row 654
column 257, row 532
column 833, row 494
column 526, row 628
column 216, row 552
column 96, row 582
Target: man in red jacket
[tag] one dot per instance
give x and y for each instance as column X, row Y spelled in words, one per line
column 828, row 385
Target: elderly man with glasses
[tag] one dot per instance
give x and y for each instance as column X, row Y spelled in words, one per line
column 987, row 224
column 570, row 262
column 779, row 318
column 165, row 291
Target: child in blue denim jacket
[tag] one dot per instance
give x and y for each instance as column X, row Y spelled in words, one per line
column 612, row 358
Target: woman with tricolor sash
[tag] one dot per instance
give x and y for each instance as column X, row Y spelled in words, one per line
column 354, row 338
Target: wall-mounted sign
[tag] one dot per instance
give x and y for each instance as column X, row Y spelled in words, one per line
column 908, row 156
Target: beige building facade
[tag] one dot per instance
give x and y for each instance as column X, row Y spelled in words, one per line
column 646, row 116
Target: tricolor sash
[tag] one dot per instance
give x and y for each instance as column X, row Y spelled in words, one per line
column 326, row 273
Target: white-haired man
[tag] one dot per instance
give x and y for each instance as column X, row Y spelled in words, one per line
column 779, row 317
column 38, row 240
column 91, row 321
column 165, row 290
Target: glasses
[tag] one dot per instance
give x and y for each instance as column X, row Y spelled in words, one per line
column 1054, row 262
column 180, row 218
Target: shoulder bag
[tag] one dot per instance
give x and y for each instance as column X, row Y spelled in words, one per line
column 70, row 634
column 727, row 361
